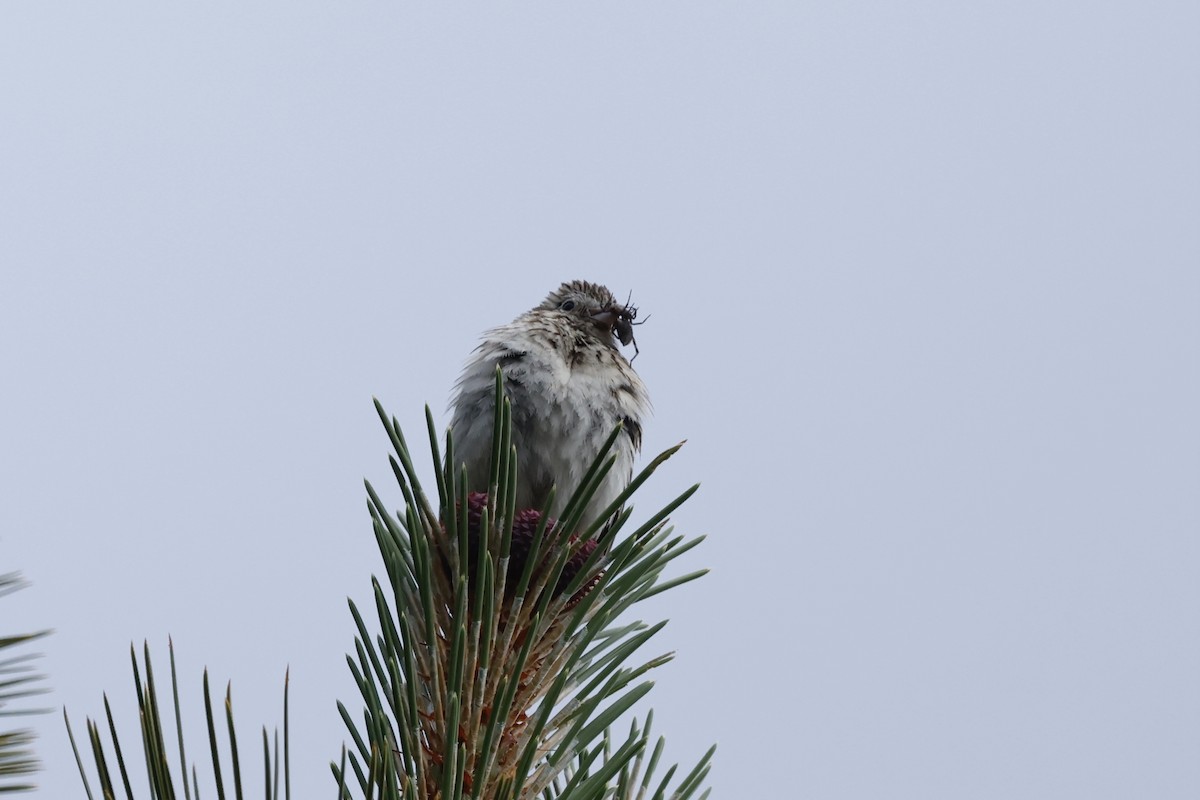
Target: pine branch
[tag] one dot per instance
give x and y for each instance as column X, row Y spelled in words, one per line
column 499, row 667
column 17, row 682
column 163, row 781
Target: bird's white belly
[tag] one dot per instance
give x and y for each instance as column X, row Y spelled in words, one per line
column 559, row 426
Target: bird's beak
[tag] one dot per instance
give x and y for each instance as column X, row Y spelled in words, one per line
column 605, row 319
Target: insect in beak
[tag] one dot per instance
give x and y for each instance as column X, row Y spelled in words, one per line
column 623, row 327
column 619, row 322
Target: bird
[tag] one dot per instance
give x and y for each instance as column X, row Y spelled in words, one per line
column 569, row 386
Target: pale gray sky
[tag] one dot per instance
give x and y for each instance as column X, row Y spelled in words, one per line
column 924, row 279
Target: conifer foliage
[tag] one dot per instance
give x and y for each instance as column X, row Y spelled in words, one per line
column 496, row 659
column 18, row 680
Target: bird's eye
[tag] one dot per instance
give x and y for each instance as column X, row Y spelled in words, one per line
column 567, row 305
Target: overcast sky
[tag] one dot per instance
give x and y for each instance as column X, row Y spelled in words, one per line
column 924, row 281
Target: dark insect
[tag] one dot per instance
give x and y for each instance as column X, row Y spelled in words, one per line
column 623, row 327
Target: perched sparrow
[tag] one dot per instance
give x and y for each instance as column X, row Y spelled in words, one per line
column 569, row 387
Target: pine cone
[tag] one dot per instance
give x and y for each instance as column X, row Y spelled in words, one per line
column 525, row 525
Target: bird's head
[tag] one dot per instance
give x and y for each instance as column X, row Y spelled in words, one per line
column 593, row 308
